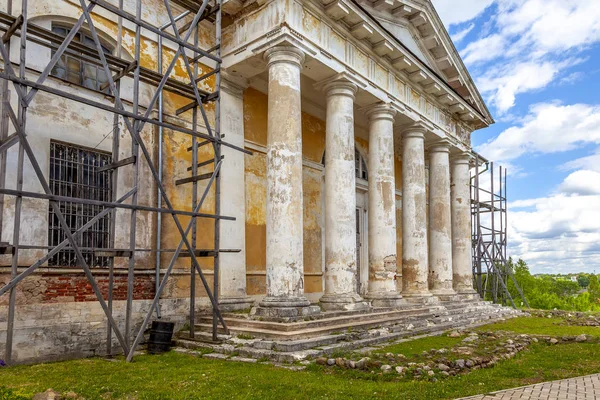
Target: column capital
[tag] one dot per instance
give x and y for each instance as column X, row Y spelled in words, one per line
column 233, row 85
column 462, row 158
column 284, row 54
column 380, row 111
column 440, row 146
column 340, row 87
column 415, row 130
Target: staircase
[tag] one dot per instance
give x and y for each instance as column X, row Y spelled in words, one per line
column 338, row 331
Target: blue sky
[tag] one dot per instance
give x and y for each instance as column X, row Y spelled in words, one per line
column 537, row 66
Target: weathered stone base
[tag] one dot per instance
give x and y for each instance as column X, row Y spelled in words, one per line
column 235, row 303
column 457, row 297
column 343, row 302
column 392, row 300
column 284, row 309
column 421, row 299
column 284, row 314
column 331, row 332
column 61, row 331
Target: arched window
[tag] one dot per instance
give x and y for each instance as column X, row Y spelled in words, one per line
column 360, row 165
column 74, row 69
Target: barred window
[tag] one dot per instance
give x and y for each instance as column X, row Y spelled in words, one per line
column 73, row 173
column 75, row 70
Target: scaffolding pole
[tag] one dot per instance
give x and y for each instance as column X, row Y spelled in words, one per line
column 130, row 120
column 489, row 222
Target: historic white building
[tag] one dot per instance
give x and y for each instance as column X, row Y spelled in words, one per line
column 358, row 115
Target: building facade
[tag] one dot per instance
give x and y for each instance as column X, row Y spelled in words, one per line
column 358, row 115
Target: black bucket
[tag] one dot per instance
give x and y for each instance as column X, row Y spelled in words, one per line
column 160, row 337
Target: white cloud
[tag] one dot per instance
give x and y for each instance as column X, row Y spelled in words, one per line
column 504, row 83
column 582, row 182
column 549, row 128
column 460, row 35
column 457, row 11
column 560, row 233
column 484, row 49
column 589, row 163
column 572, row 78
column 530, row 44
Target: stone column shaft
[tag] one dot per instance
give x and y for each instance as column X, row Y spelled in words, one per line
column 415, row 268
column 340, row 200
column 382, row 208
column 461, row 225
column 440, row 231
column 284, row 257
column 233, row 200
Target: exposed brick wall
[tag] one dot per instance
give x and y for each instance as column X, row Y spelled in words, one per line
column 60, row 288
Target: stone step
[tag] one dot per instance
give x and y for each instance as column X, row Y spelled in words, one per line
column 341, row 320
column 291, row 351
column 336, row 327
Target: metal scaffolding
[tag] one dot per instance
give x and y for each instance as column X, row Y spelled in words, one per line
column 489, row 218
column 134, row 116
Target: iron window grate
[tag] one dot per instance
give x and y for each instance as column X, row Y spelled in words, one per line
column 73, row 173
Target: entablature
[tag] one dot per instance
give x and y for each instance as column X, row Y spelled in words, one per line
column 340, row 38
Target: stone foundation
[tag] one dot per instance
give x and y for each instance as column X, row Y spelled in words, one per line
column 60, row 331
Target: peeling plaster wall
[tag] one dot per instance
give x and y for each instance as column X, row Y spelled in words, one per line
column 65, row 292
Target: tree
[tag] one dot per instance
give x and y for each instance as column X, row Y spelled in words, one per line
column 594, row 288
column 583, row 280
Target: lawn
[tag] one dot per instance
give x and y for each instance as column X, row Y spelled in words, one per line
column 183, row 376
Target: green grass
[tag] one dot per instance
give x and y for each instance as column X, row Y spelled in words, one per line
column 182, row 376
column 542, row 326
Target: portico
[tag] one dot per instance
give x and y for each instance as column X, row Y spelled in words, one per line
column 323, row 92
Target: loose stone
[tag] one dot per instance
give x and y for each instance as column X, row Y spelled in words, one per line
column 321, row 361
column 386, row 368
column 340, row 362
column 400, row 370
column 581, row 338
column 460, row 363
column 330, row 361
column 469, row 363
column 553, row 341
column 443, row 367
column 430, row 373
column 454, row 334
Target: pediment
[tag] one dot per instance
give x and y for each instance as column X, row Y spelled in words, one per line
column 417, row 26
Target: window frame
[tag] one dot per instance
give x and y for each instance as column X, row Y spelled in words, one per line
column 94, row 186
column 81, row 37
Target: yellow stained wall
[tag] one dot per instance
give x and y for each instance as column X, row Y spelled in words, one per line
column 313, row 146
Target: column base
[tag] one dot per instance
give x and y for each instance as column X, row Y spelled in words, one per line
column 445, row 294
column 385, row 299
column 228, row 304
column 343, row 302
column 284, row 309
column 468, row 294
column 421, row 298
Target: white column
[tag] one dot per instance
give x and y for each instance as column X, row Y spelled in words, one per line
column 340, row 200
column 415, row 268
column 233, row 198
column 461, row 225
column 440, row 232
column 284, row 257
column 382, row 208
